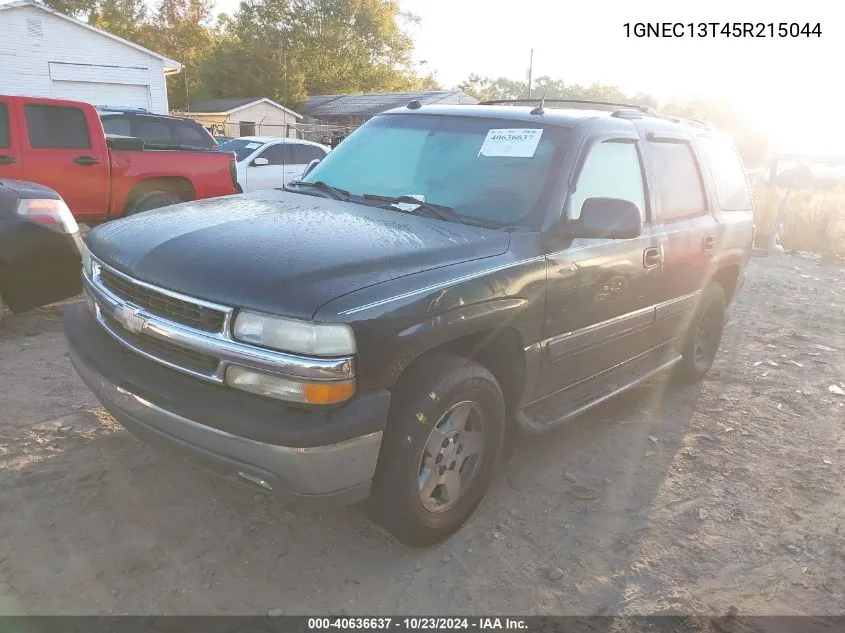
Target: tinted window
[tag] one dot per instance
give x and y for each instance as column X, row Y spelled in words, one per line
column 190, row 134
column 728, row 174
column 4, row 125
column 276, row 154
column 612, row 170
column 441, row 158
column 242, row 147
column 153, row 130
column 678, row 182
column 304, row 154
column 117, row 125
column 56, row 127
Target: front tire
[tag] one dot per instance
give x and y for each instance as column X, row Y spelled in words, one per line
column 704, row 334
column 440, row 448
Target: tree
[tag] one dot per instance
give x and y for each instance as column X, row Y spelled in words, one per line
column 181, row 31
column 125, row 18
column 322, row 46
column 485, row 88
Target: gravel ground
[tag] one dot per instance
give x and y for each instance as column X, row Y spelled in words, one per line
column 696, row 499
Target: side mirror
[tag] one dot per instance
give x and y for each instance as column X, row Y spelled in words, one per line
column 260, row 162
column 310, row 167
column 606, row 218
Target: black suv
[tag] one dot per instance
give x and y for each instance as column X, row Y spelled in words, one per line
column 156, row 129
column 447, row 274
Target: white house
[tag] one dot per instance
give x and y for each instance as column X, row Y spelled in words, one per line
column 250, row 116
column 44, row 53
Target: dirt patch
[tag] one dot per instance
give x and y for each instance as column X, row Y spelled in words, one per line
column 672, row 500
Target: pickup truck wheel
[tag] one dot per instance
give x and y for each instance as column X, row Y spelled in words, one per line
column 439, row 450
column 154, row 200
column 703, row 334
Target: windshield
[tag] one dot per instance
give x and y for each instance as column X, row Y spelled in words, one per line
column 489, row 169
column 242, row 147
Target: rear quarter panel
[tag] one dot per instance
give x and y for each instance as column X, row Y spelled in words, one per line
column 206, row 171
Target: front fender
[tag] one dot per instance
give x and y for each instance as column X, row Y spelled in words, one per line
column 397, row 321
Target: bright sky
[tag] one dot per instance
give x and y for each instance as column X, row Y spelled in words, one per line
column 787, row 84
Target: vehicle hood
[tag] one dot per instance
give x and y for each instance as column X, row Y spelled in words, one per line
column 281, row 252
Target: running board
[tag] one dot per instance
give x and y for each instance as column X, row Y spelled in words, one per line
column 544, row 421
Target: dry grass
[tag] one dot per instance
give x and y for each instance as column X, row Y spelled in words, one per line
column 814, row 220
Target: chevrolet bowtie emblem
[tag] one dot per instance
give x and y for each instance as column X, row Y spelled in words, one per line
column 130, row 319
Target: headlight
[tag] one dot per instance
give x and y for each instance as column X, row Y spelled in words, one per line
column 290, row 335
column 289, row 389
column 51, row 214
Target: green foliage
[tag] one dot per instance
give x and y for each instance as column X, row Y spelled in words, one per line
column 321, row 46
column 485, row 88
column 283, row 49
column 181, row 30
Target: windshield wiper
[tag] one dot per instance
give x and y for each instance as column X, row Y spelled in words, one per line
column 333, row 192
column 438, row 211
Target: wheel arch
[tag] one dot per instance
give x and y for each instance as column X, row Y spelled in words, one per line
column 170, row 184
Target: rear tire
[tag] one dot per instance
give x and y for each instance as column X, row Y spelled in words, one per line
column 154, row 200
column 440, row 448
column 703, row 335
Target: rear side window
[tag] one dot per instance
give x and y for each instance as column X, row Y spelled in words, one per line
column 728, row 174
column 304, row 154
column 153, row 131
column 679, row 187
column 56, row 127
column 117, row 125
column 4, row 126
column 194, row 135
column 612, row 170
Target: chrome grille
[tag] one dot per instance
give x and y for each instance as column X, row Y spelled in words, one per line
column 171, row 308
column 164, row 351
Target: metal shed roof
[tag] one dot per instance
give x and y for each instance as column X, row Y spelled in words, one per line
column 358, row 105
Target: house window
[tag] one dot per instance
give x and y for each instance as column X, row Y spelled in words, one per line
column 247, row 128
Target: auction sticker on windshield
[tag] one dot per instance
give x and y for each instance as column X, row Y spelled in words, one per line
column 518, row 143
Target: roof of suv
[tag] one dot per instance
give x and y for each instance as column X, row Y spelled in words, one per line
column 115, row 111
column 620, row 117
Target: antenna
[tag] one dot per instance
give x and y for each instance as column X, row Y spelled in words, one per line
column 539, row 110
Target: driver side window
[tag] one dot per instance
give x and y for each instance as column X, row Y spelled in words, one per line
column 612, row 170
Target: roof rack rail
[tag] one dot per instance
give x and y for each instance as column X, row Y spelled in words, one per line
column 620, row 110
column 609, row 104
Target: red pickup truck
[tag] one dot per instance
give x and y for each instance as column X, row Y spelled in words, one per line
column 61, row 144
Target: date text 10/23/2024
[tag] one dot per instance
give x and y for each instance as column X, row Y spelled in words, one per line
column 722, row 29
column 416, row 624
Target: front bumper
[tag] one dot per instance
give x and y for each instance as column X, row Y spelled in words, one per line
column 338, row 472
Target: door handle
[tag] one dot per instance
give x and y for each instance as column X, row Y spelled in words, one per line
column 708, row 243
column 86, row 161
column 652, row 257
column 7, row 160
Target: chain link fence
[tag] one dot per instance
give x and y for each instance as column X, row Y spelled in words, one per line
column 316, row 132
